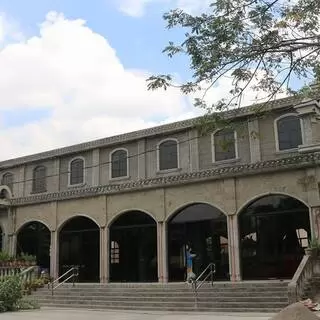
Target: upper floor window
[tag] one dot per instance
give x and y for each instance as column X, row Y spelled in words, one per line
column 224, row 145
column 39, row 182
column 76, row 171
column 168, row 155
column 289, row 134
column 7, row 180
column 119, row 163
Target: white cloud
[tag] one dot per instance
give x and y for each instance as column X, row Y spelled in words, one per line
column 137, row 8
column 77, row 75
column 193, row 6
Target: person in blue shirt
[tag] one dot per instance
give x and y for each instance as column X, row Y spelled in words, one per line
column 189, row 257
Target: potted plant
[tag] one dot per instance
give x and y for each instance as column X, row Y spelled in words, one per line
column 4, row 259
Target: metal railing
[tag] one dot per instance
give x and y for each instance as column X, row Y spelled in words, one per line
column 207, row 273
column 72, row 273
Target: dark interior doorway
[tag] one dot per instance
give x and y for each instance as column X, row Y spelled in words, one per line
column 79, row 245
column 274, row 231
column 203, row 228
column 34, row 238
column 133, row 248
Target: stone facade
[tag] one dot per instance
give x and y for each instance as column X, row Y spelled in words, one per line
column 259, row 169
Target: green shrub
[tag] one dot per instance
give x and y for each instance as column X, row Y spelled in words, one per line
column 27, row 304
column 10, row 293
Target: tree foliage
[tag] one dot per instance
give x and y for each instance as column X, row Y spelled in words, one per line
column 270, row 46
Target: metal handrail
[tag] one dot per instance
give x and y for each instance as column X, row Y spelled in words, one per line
column 74, row 274
column 212, row 267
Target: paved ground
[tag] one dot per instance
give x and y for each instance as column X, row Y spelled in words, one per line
column 53, row 314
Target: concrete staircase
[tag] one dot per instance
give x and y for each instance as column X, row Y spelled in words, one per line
column 222, row 297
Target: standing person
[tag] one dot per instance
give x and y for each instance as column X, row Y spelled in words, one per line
column 189, row 257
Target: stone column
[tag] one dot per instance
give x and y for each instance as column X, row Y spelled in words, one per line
column 12, row 244
column 18, row 188
column 159, row 251
column 315, row 223
column 107, row 254
column 54, row 255
column 194, row 150
column 254, row 140
column 55, row 179
column 307, row 129
column 103, row 253
column 95, row 167
column 12, row 236
column 141, row 159
column 164, row 252
column 234, row 250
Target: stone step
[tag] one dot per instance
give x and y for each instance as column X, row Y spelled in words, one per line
column 166, row 286
column 172, row 304
column 269, row 310
column 243, row 296
column 177, row 291
column 201, row 298
column 213, row 294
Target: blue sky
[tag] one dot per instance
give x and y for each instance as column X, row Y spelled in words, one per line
column 73, row 71
column 137, row 40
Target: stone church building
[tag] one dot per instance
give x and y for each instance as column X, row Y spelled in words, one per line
column 124, row 208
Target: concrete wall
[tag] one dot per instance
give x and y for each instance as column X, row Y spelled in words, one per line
column 228, row 195
column 194, row 154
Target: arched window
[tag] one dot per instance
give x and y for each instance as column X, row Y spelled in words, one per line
column 224, row 145
column 119, row 163
column 289, row 132
column 76, row 171
column 39, row 179
column 168, row 155
column 7, row 180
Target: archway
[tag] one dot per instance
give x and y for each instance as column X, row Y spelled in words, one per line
column 203, row 228
column 274, row 230
column 34, row 238
column 133, row 248
column 79, row 245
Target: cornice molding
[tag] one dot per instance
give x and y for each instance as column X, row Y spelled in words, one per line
column 290, row 163
column 154, row 131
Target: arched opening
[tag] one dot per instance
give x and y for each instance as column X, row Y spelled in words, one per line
column 274, row 230
column 203, row 228
column 34, row 238
column 133, row 248
column 79, row 245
